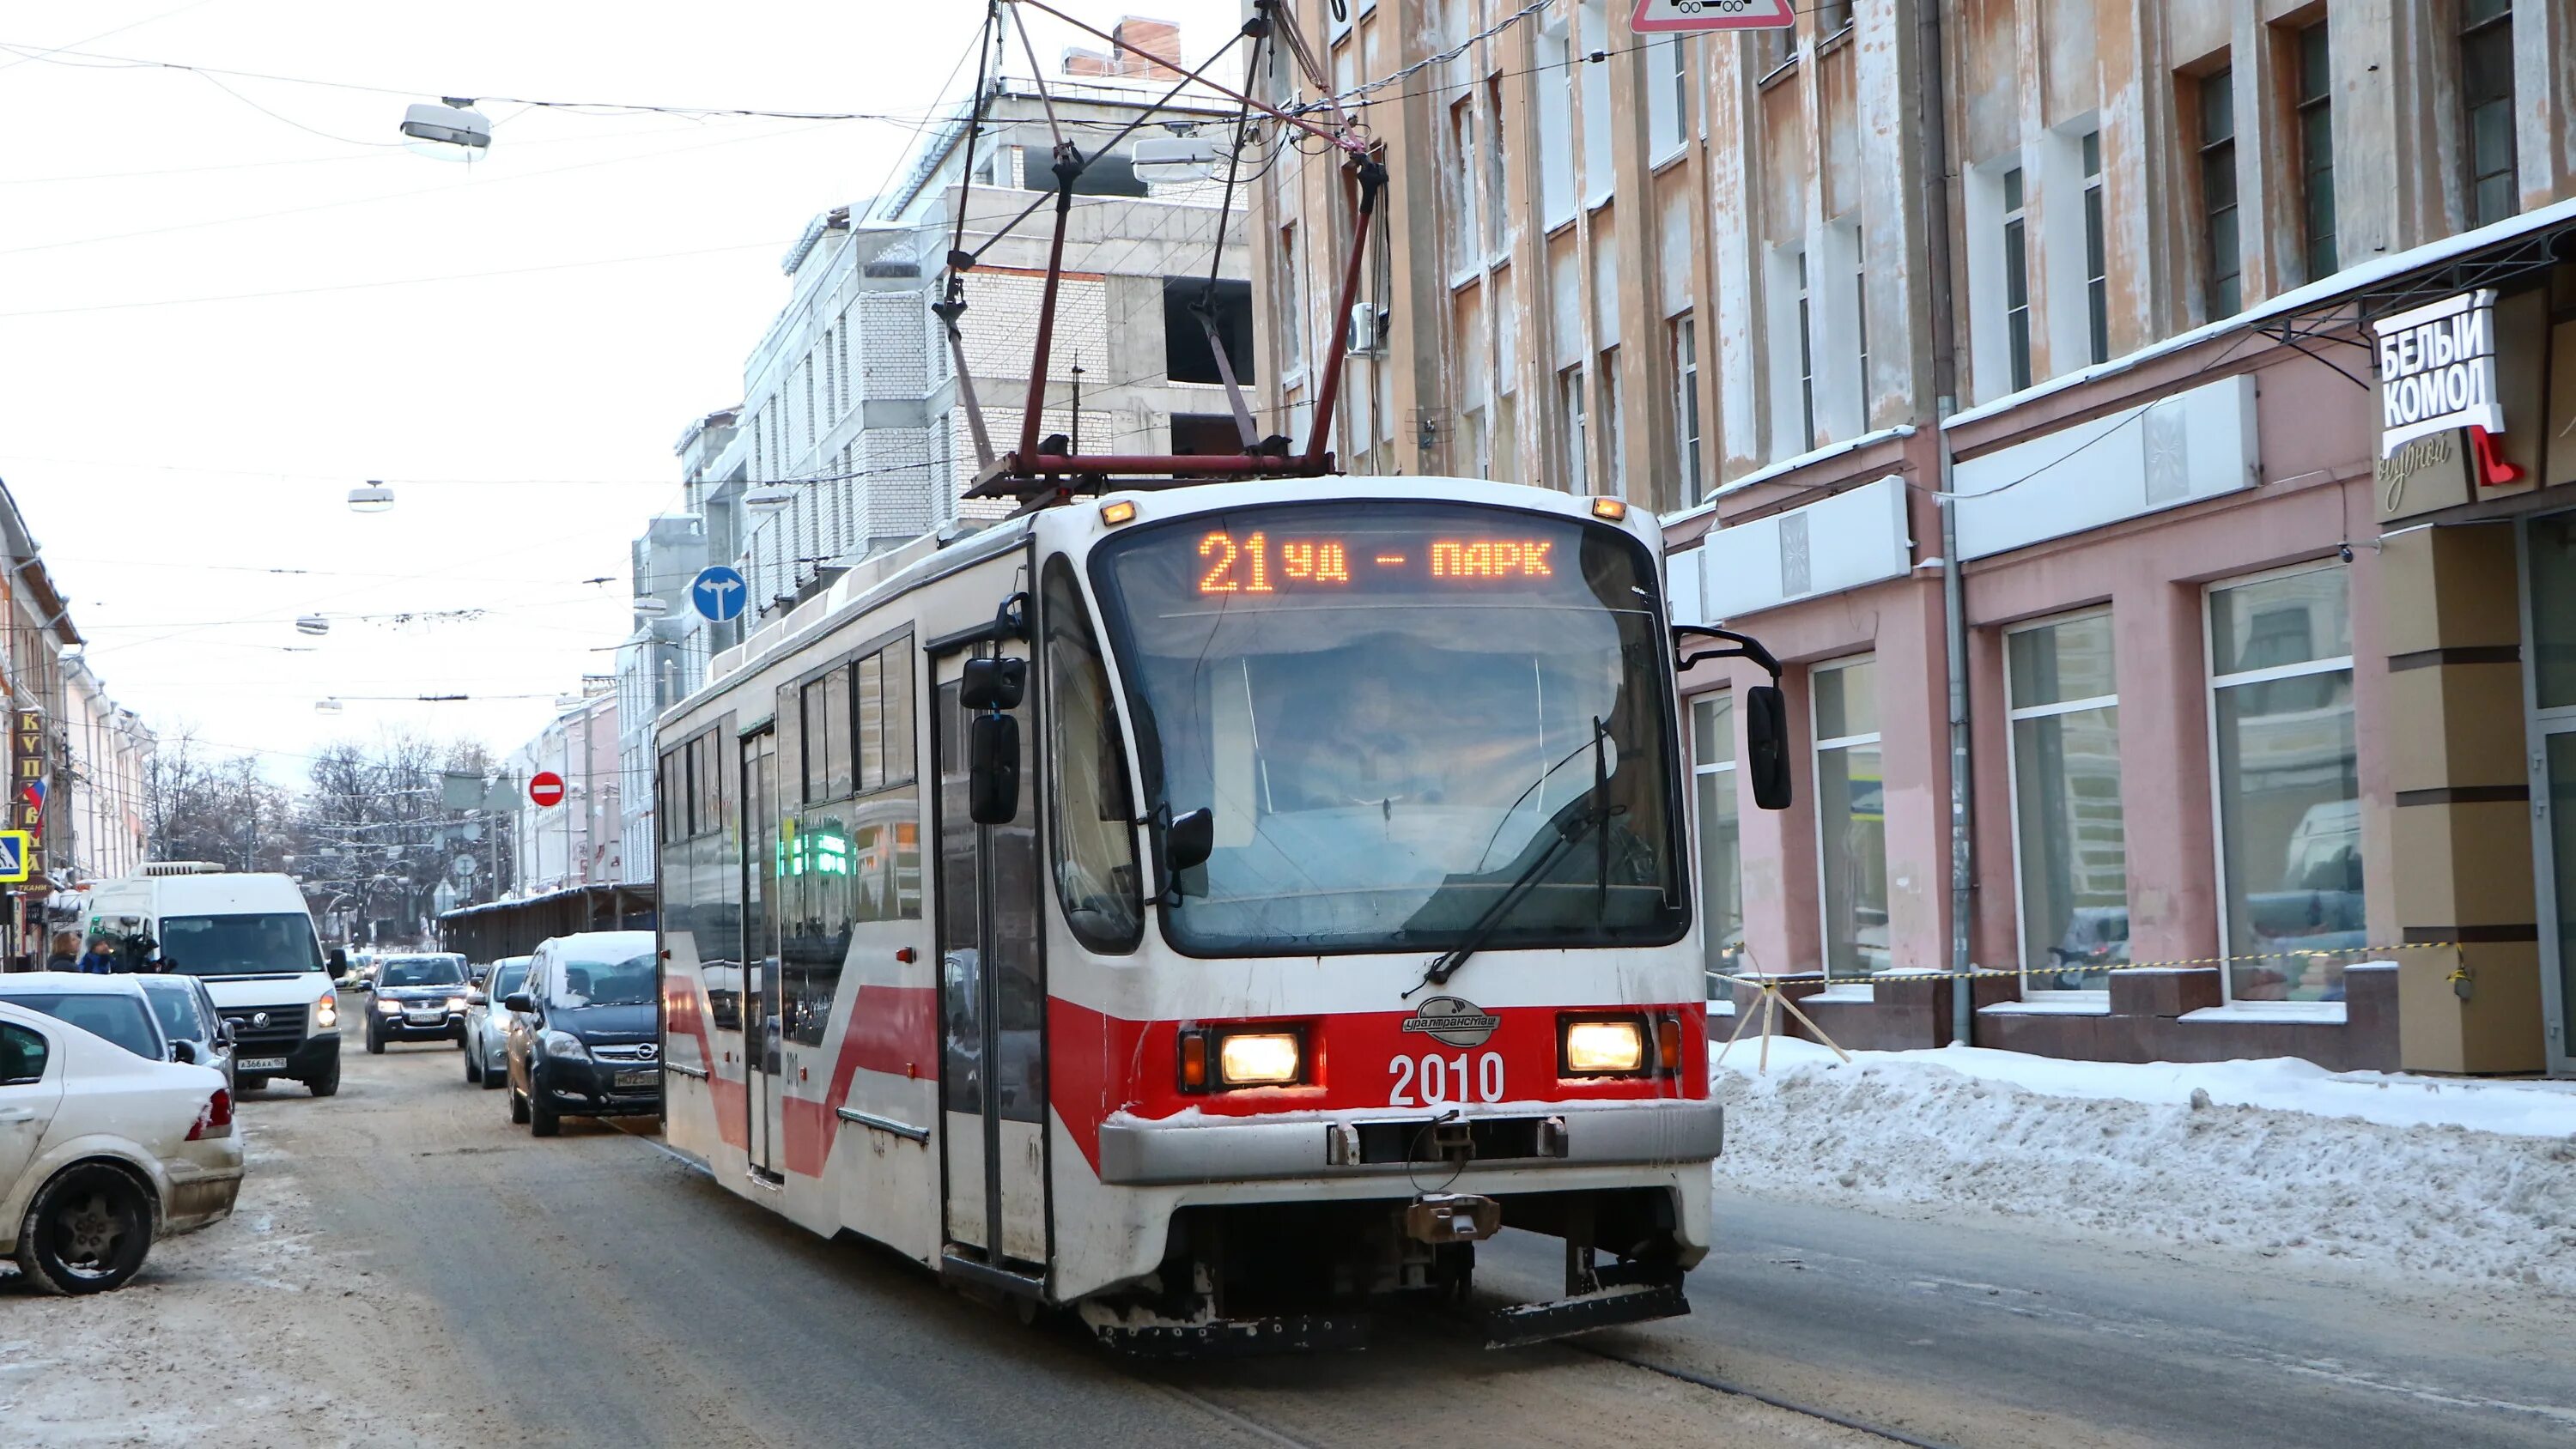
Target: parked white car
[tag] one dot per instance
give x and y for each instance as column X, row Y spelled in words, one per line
column 487, row 1022
column 102, row 1148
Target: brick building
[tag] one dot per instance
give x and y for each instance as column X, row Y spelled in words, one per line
column 2014, row 370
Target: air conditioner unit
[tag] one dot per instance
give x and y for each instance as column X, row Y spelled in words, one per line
column 1368, row 330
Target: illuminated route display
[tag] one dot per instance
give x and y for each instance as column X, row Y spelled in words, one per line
column 1260, row 562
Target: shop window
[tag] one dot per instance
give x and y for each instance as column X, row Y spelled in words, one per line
column 2289, row 783
column 1089, row 809
column 1851, row 819
column 1721, row 858
column 2486, row 95
column 2070, row 841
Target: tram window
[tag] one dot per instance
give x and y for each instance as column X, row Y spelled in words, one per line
column 1094, row 842
column 871, row 722
column 827, row 736
column 897, row 660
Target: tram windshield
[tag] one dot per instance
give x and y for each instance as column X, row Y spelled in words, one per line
column 1411, row 722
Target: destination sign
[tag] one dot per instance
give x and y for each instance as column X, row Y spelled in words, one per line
column 1261, row 563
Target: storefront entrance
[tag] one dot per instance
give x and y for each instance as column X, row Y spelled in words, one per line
column 2549, row 634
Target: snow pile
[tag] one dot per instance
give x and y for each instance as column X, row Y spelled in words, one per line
column 2468, row 1180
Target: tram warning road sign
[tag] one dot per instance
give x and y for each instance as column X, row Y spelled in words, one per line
column 545, row 788
column 719, row 592
column 1653, row 15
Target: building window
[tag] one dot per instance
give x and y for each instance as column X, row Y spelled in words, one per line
column 1668, row 96
column 805, row 376
column 1569, row 401
column 1851, row 819
column 1806, row 359
column 1833, row 17
column 1860, row 319
column 1614, row 456
column 1685, row 334
column 1555, row 123
column 2486, row 90
column 1774, row 48
column 2288, row 780
column 2225, row 293
column 1188, row 355
column 2316, row 152
column 1497, row 181
column 1465, row 237
column 2017, row 279
column 2097, row 254
column 831, row 376
column 2070, row 841
column 1599, row 178
column 1721, row 859
column 1292, row 312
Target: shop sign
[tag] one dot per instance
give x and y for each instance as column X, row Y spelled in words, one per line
column 2421, row 476
column 2437, row 370
column 27, row 785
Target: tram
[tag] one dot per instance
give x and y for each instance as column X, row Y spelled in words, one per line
column 1211, row 909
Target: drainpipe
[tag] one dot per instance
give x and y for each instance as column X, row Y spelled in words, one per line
column 1932, row 131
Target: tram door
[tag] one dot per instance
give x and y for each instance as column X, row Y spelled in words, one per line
column 992, row 1005
column 760, row 948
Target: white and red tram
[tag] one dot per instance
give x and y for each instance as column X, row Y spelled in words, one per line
column 1211, row 907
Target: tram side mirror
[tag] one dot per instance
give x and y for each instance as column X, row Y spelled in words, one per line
column 993, row 683
column 993, row 768
column 1189, row 839
column 1766, row 745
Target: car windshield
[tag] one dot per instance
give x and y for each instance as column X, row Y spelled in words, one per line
column 174, row 1001
column 120, row 1019
column 422, row 971
column 507, row 977
column 240, row 945
column 1397, row 713
column 599, row 981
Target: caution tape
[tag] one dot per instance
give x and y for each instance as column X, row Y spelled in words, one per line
column 2196, row 963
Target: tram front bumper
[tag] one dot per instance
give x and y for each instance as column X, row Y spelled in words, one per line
column 1139, row 1153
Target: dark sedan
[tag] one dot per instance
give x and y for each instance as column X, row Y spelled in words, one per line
column 583, row 1039
column 417, row 998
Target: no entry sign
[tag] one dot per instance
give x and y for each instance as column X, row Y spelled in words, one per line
column 545, row 787
column 1653, row 15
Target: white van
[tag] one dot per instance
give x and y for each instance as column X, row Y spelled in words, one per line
column 250, row 938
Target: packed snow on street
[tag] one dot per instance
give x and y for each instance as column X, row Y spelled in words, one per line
column 2386, row 1172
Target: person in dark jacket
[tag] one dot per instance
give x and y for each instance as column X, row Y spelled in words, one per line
column 66, row 953
column 99, row 959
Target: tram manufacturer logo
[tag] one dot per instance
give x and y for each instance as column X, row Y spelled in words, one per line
column 1453, row 1020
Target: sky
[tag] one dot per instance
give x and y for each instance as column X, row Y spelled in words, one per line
column 226, row 300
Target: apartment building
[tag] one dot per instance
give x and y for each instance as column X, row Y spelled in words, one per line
column 2053, row 387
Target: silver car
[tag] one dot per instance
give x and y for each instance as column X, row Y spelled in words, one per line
column 187, row 1014
column 487, row 1028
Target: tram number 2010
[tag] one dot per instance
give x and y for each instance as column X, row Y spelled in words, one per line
column 1445, row 1079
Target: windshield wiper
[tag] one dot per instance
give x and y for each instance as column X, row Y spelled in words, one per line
column 1568, row 831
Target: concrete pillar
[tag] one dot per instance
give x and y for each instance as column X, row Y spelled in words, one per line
column 2461, row 837
column 2158, row 655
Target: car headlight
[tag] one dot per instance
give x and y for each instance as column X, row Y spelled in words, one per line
column 1257, row 1059
column 1603, row 1048
column 564, row 1044
column 387, row 1005
column 326, row 1012
column 456, row 1003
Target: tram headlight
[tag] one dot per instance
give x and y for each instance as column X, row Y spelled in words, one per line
column 1603, row 1048
column 1258, row 1059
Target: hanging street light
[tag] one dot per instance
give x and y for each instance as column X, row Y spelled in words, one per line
column 312, row 624
column 327, row 706
column 374, row 498
column 768, row 500
column 646, row 606
column 454, row 131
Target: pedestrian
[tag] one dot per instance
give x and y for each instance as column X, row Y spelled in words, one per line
column 66, row 955
column 99, row 959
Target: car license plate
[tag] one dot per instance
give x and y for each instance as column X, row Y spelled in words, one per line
column 424, row 1018
column 643, row 1078
column 260, row 1064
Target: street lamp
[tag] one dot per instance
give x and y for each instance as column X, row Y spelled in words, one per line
column 374, row 498
column 768, row 500
column 454, row 131
column 327, row 706
column 652, row 608
column 312, row 624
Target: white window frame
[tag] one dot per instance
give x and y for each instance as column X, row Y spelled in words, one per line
column 1682, row 332
column 2013, row 715
column 1840, row 990
column 1570, row 414
column 1600, row 140
column 2212, row 683
column 1667, row 98
column 1466, row 239
column 1699, row 767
